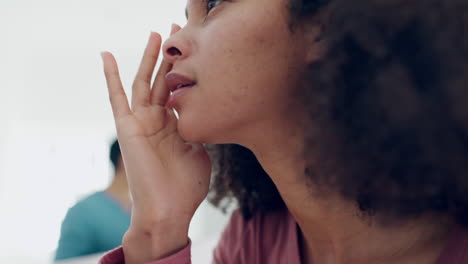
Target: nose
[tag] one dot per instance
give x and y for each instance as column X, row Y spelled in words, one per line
column 176, row 47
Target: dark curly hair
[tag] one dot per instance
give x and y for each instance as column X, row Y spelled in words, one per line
column 388, row 112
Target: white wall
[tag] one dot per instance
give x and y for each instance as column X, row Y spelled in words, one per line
column 55, row 119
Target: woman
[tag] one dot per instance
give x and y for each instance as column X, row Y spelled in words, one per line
column 354, row 110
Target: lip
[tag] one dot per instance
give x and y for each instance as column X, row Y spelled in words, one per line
column 176, row 81
column 178, row 84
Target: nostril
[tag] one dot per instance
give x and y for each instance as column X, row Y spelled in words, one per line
column 174, row 51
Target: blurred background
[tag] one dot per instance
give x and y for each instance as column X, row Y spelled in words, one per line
column 55, row 118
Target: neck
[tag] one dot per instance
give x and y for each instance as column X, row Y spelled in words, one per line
column 332, row 228
column 118, row 189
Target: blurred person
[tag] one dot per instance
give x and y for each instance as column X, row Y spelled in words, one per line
column 98, row 222
column 340, row 128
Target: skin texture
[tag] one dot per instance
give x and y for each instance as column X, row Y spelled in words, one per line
column 241, row 60
column 246, row 65
column 152, row 151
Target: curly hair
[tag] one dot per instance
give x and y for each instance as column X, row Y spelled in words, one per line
column 388, row 124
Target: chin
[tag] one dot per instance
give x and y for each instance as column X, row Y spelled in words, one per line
column 200, row 131
column 192, row 131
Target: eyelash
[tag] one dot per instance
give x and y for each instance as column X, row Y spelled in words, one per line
column 208, row 2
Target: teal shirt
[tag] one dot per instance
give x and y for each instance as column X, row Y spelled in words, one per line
column 93, row 225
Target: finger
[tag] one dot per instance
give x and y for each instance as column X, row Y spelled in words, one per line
column 159, row 91
column 117, row 96
column 174, row 29
column 142, row 83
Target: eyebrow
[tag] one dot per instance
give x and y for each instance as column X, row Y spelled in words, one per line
column 186, row 13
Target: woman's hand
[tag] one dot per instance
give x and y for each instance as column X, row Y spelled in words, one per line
column 168, row 177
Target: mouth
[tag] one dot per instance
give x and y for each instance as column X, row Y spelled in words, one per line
column 175, row 81
column 180, row 86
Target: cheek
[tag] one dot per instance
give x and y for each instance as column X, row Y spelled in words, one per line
column 248, row 54
column 243, row 68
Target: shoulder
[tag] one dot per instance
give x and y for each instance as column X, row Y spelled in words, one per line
column 84, row 206
column 456, row 250
column 257, row 238
column 239, row 227
column 90, row 200
column 93, row 198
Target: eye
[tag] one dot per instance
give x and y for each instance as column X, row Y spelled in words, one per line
column 212, row 4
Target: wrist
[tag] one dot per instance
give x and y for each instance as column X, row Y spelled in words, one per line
column 154, row 240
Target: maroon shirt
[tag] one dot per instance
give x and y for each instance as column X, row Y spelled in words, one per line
column 273, row 239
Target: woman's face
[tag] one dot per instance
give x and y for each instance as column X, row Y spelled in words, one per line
column 244, row 62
